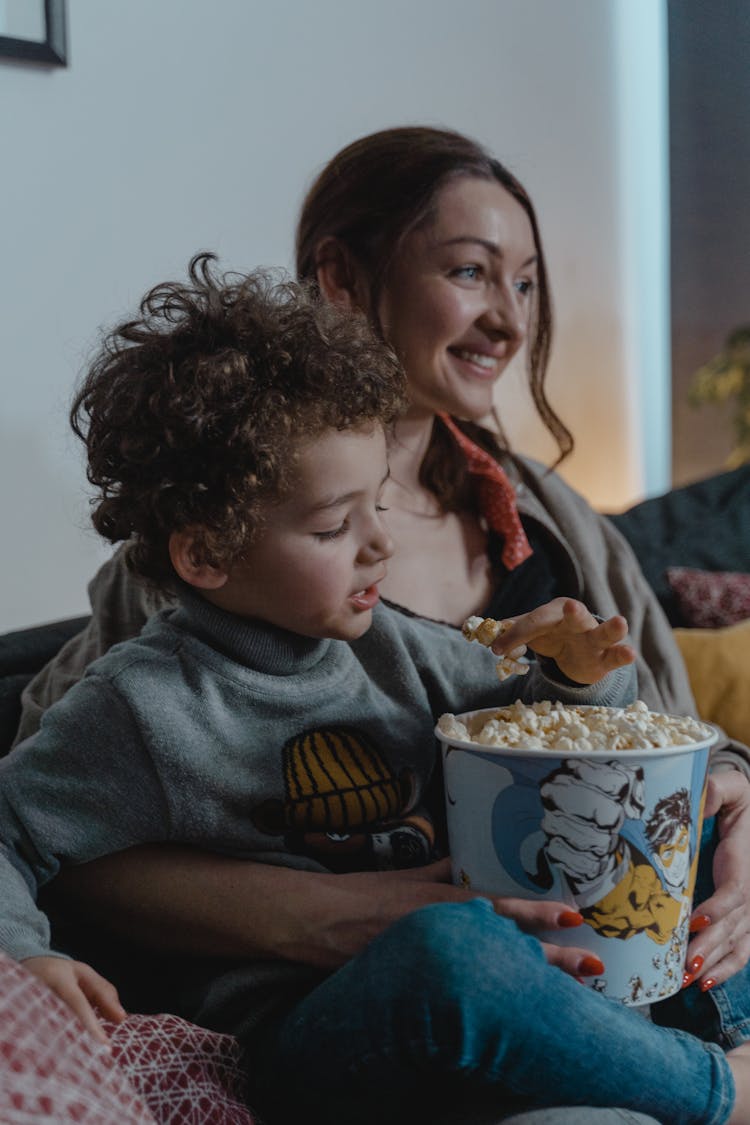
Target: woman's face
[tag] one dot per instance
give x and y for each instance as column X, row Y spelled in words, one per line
column 457, row 302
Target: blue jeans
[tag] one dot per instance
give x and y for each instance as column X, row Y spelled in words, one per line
column 454, row 1003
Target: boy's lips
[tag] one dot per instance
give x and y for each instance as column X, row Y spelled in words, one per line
column 366, row 599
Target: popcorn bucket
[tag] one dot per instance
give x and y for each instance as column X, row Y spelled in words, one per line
column 598, row 818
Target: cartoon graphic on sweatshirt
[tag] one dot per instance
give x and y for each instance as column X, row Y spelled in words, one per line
column 344, row 806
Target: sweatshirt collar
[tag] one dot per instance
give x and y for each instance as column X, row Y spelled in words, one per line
column 256, row 644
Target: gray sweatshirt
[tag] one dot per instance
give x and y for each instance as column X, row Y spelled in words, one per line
column 241, row 738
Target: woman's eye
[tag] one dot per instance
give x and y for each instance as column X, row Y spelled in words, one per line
column 524, row 287
column 468, row 273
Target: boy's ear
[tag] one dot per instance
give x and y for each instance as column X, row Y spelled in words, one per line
column 199, row 574
column 339, row 279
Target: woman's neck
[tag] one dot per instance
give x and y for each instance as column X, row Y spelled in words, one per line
column 407, row 449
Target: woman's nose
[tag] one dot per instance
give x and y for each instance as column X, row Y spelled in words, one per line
column 506, row 316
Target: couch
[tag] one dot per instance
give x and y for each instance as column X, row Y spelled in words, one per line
column 694, row 546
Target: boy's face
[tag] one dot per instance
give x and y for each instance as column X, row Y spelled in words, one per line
column 322, row 552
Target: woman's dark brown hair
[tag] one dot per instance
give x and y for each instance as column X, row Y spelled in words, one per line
column 370, row 197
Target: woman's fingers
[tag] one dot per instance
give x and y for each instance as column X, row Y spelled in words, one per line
column 533, row 915
column 575, row 962
column 723, row 947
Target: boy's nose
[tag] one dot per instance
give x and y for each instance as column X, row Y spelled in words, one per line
column 380, row 544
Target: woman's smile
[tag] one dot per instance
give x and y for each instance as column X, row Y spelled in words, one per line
column 456, row 305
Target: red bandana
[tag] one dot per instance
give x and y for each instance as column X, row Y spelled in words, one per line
column 496, row 497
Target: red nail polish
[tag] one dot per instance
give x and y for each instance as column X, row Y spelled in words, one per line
column 707, row 984
column 591, row 965
column 687, row 979
column 570, row 918
column 700, row 922
column 695, row 965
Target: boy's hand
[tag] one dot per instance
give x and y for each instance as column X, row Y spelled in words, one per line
column 583, row 648
column 80, row 987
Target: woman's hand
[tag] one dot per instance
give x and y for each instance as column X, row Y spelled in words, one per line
column 82, row 989
column 532, row 916
column 387, row 896
column 583, row 648
column 721, row 946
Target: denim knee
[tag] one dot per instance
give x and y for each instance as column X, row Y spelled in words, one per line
column 447, row 948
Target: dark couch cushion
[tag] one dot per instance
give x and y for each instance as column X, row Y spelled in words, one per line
column 22, row 654
column 705, row 526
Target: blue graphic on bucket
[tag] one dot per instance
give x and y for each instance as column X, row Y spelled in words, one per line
column 614, row 836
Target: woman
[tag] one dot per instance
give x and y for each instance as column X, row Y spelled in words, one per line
column 438, row 244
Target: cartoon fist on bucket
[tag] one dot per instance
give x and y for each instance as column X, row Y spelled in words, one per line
column 613, row 834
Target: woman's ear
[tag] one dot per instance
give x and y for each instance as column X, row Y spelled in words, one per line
column 338, row 278
column 183, row 556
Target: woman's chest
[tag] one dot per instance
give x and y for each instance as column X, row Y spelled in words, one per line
column 440, row 567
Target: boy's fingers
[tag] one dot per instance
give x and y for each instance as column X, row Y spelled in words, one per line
column 610, row 631
column 78, row 986
column 617, row 655
column 71, row 993
column 102, row 994
column 86, row 1014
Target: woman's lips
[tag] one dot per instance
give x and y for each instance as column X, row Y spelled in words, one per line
column 481, row 363
column 366, row 599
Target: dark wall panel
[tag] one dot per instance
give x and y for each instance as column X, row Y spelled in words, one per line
column 709, row 98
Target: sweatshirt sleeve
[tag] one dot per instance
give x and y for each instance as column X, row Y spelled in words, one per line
column 459, row 676
column 83, row 787
column 120, row 607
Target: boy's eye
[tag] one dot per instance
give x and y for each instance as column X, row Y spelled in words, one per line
column 334, row 533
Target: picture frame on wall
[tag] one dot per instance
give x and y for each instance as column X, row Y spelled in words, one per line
column 33, row 31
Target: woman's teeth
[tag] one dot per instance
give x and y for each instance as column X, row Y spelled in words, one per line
column 486, row 361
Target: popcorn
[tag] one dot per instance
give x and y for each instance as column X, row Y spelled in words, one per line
column 555, row 726
column 485, row 630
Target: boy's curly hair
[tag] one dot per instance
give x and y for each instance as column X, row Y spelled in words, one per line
column 192, row 414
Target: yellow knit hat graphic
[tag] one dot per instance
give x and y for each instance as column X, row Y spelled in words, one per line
column 336, row 782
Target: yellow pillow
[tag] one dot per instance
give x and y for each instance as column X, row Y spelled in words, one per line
column 718, row 664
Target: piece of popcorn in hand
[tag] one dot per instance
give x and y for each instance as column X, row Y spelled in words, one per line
column 485, row 630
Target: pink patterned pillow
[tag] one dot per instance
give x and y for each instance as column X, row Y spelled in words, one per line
column 162, row 1071
column 710, row 599
column 186, row 1074
column 51, row 1069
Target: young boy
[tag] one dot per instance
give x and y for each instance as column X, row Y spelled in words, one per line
column 236, row 436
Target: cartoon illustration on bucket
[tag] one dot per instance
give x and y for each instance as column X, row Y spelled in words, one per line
column 615, row 838
column 623, row 885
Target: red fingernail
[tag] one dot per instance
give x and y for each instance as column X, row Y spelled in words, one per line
column 707, row 984
column 699, row 922
column 687, row 979
column 590, row 965
column 695, row 965
column 570, row 918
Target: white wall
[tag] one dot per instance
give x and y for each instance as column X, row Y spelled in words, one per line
column 181, row 125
